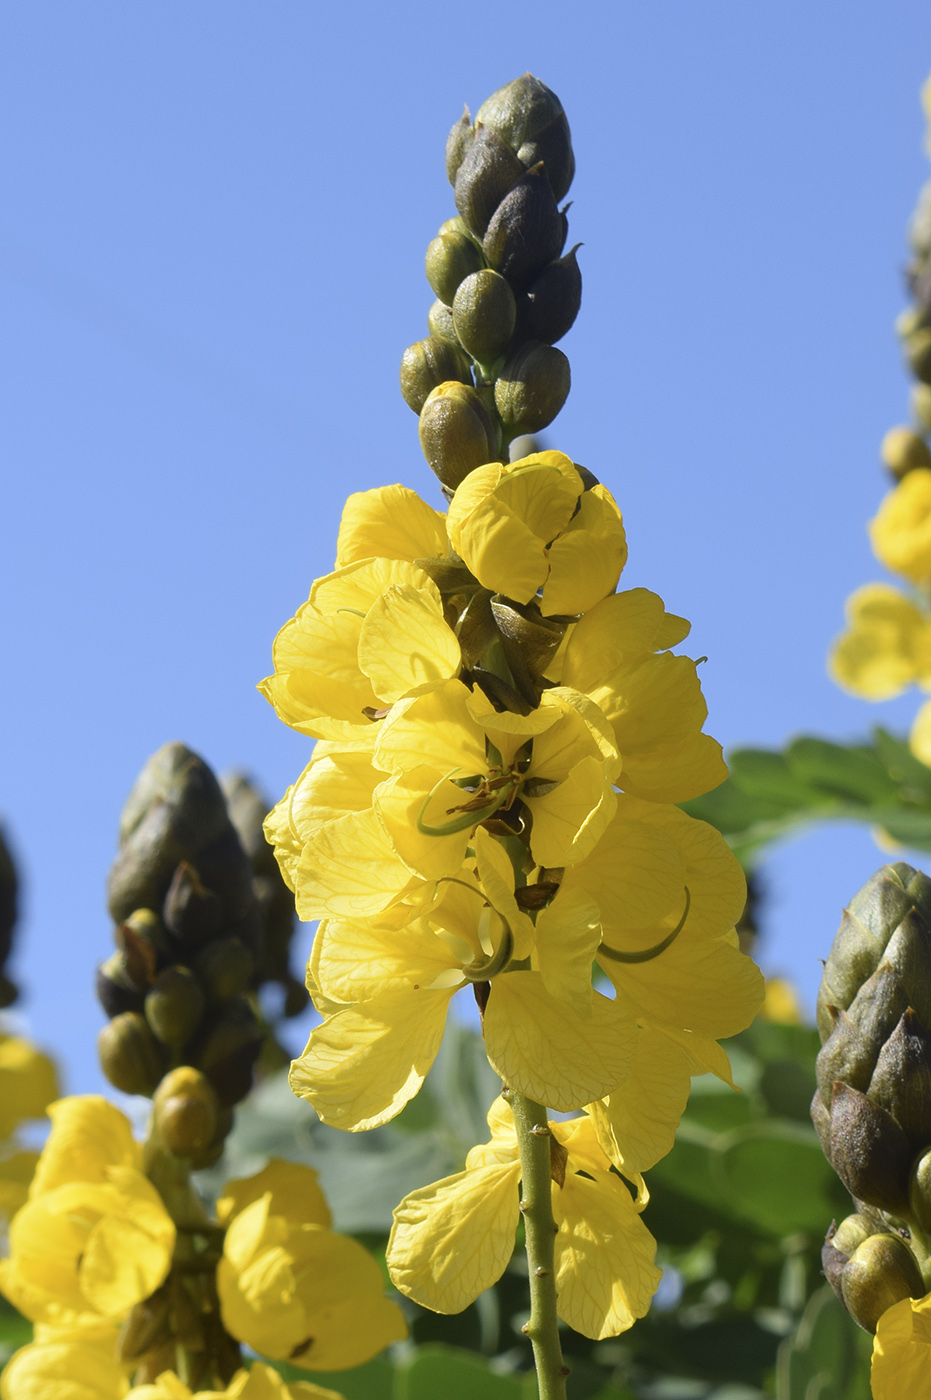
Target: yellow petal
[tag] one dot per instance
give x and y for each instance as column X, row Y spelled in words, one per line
column 434, row 731
column 637, row 1125
column 653, row 702
column 497, row 878
column 363, row 1065
column 674, row 772
column 351, row 868
column 295, row 1194
column 887, row 647
column 569, row 821
column 28, row 1082
column 405, row 645
column 391, row 522
column 542, row 1049
column 452, row 1240
column 122, row 1264
column 88, row 1136
column 587, row 557
column 919, row 740
column 566, row 938
column 901, row 532
column 353, row 961
column 901, row 1364
column 65, row 1370
column 635, row 874
column 619, row 630
column 605, row 1275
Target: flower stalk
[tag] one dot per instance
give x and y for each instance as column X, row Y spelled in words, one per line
column 535, row 1144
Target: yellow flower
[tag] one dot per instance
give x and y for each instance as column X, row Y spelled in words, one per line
column 293, row 1289
column 94, row 1237
column 16, row 1172
column 391, row 522
column 901, row 1365
column 887, row 647
column 531, row 525
column 28, row 1083
column 618, row 654
column 78, row 1363
column 901, row 531
column 452, row 1240
column 259, row 1383
column 919, row 740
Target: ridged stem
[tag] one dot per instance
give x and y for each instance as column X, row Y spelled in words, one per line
column 533, row 1141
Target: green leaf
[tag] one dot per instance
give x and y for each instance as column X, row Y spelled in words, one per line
column 440, row 1371
column 763, row 773
column 374, row 1381
column 853, row 773
column 828, row 1356
column 775, row 1175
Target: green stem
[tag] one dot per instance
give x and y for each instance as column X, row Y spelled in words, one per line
column 533, row 1141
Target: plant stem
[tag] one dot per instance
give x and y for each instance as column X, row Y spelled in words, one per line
column 533, row 1141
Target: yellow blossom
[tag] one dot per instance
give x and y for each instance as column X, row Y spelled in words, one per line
column 28, row 1083
column 531, row 525
column 72, row 1363
column 94, row 1237
column 901, row 1365
column 390, row 522
column 452, row 1240
column 887, row 646
column 901, row 530
column 919, row 740
column 293, row 1289
column 260, row 1382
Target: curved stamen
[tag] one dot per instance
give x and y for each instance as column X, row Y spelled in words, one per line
column 468, row 819
column 647, row 954
column 498, row 960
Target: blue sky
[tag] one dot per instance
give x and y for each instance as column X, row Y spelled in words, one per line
column 211, row 251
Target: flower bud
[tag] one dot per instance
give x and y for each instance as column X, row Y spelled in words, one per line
column 186, row 1112
column 224, row 969
column 532, row 387
column 845, row 1055
column 143, row 941
column 116, row 990
column 228, row 1050
column 476, row 628
column 458, row 142
column 918, row 353
column 839, row 1243
column 191, row 912
column 876, row 1009
column 869, row 1151
column 902, row 451
column 908, row 953
column 456, row 433
column 526, row 231
column 484, row 315
column 131, row 1057
column 428, row 364
column 174, row 1007
column 880, row 1272
column 488, row 170
column 148, row 1325
column 9, row 889
column 901, row 1082
column 919, row 1192
column 551, row 303
column 921, row 405
column 440, row 322
column 530, row 118
column 450, row 258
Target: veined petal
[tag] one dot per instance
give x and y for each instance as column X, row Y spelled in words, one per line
column 587, row 557
column 674, row 772
column 637, row 1125
column 901, row 1364
column 351, row 961
column 636, row 873
column 88, row 1136
column 405, row 644
column 566, row 938
column 351, row 868
column 293, row 1190
column 569, row 821
column 653, row 702
column 620, row 629
column 391, row 522
column 497, row 878
column 362, row 1065
column 434, row 731
column 452, row 1240
column 542, row 1049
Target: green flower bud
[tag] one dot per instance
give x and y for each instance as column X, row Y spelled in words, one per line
column 532, row 387
column 476, row 628
column 131, row 1057
column 484, row 315
column 456, row 433
column 530, row 118
column 881, row 1272
column 191, row 912
column 224, row 969
column 876, row 1008
column 869, row 1151
column 918, row 354
column 186, row 1111
column 903, row 451
column 440, row 322
column 450, row 258
column 9, row 890
column 921, row 405
column 457, row 225
column 526, row 631
column 458, row 142
column 116, row 990
column 147, row 1326
column 174, row 1007
column 908, row 953
column 488, row 170
column 144, row 941
column 551, row 303
column 228, row 1049
column 428, row 364
column 525, row 232
column 845, row 1055
column 177, row 777
column 919, row 1191
column 840, row 1242
column 901, row 1082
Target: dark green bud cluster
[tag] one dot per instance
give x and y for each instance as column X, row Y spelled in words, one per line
column 872, row 1108
column 9, row 897
column 906, row 448
column 505, row 290
column 188, row 936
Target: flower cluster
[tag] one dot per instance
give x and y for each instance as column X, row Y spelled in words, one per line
column 502, row 738
column 28, row 1084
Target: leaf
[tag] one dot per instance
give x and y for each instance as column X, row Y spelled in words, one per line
column 375, row 1380
column 763, row 773
column 853, row 773
column 828, row 1356
column 440, row 1371
column 775, row 1176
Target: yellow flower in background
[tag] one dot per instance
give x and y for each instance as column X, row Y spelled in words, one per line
column 293, row 1289
column 73, row 1363
column 28, row 1083
column 93, row 1237
column 919, row 740
column 452, row 1240
column 887, row 646
column 901, row 1365
column 531, row 525
column 901, row 530
column 260, row 1382
column 16, row 1172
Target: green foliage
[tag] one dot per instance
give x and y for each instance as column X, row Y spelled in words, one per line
column 770, row 794
column 15, row 1331
column 828, row 1358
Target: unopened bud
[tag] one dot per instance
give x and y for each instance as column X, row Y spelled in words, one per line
column 530, row 118
column 921, row 405
column 876, row 1008
column 458, row 142
column 551, row 303
column 869, row 1151
column 440, row 322
column 174, row 1006
column 224, row 969
column 881, row 1272
column 228, row 1051
column 839, row 1243
column 192, row 912
column 451, row 258
column 901, row 1082
column 428, row 364
column 484, row 315
column 186, row 1111
column 489, row 169
column 131, row 1057
column 532, row 387
column 908, row 953
column 919, row 1193
column 903, row 451
column 918, row 353
column 845, row 1055
column 456, row 433
column 526, row 231
column 147, row 1326
column 116, row 990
